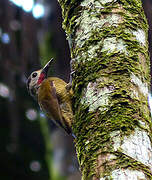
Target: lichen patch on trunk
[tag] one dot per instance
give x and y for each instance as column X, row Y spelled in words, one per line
column 95, row 97
column 140, row 36
column 107, row 1
column 91, row 3
column 90, row 23
column 137, row 146
column 112, row 44
column 143, row 87
column 125, row 174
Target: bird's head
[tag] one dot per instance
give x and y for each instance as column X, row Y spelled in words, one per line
column 36, row 78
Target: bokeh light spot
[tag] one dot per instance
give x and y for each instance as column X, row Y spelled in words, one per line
column 31, row 114
column 17, row 2
column 35, row 166
column 38, row 10
column 5, row 38
column 42, row 115
column 27, row 5
column 15, row 25
column 4, row 91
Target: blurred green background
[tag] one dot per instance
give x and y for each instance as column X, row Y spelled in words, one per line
column 32, row 147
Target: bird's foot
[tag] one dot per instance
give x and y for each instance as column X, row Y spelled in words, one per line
column 69, row 85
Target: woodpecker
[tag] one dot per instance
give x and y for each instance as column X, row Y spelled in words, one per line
column 54, row 96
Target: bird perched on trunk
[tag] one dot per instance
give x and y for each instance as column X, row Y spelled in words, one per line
column 53, row 95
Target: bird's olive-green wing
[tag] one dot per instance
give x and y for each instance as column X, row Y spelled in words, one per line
column 49, row 103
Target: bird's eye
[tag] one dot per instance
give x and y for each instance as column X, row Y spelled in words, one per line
column 34, row 75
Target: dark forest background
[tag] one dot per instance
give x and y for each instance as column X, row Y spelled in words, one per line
column 30, row 146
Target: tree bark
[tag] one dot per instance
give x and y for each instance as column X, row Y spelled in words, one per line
column 108, row 42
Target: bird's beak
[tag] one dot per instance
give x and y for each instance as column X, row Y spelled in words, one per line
column 46, row 67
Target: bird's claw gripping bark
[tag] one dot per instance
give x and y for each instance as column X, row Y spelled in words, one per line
column 69, row 85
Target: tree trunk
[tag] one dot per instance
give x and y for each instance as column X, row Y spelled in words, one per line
column 108, row 41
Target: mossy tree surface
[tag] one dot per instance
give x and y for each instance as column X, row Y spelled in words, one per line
column 108, row 41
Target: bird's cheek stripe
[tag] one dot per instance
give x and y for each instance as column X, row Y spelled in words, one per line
column 41, row 78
